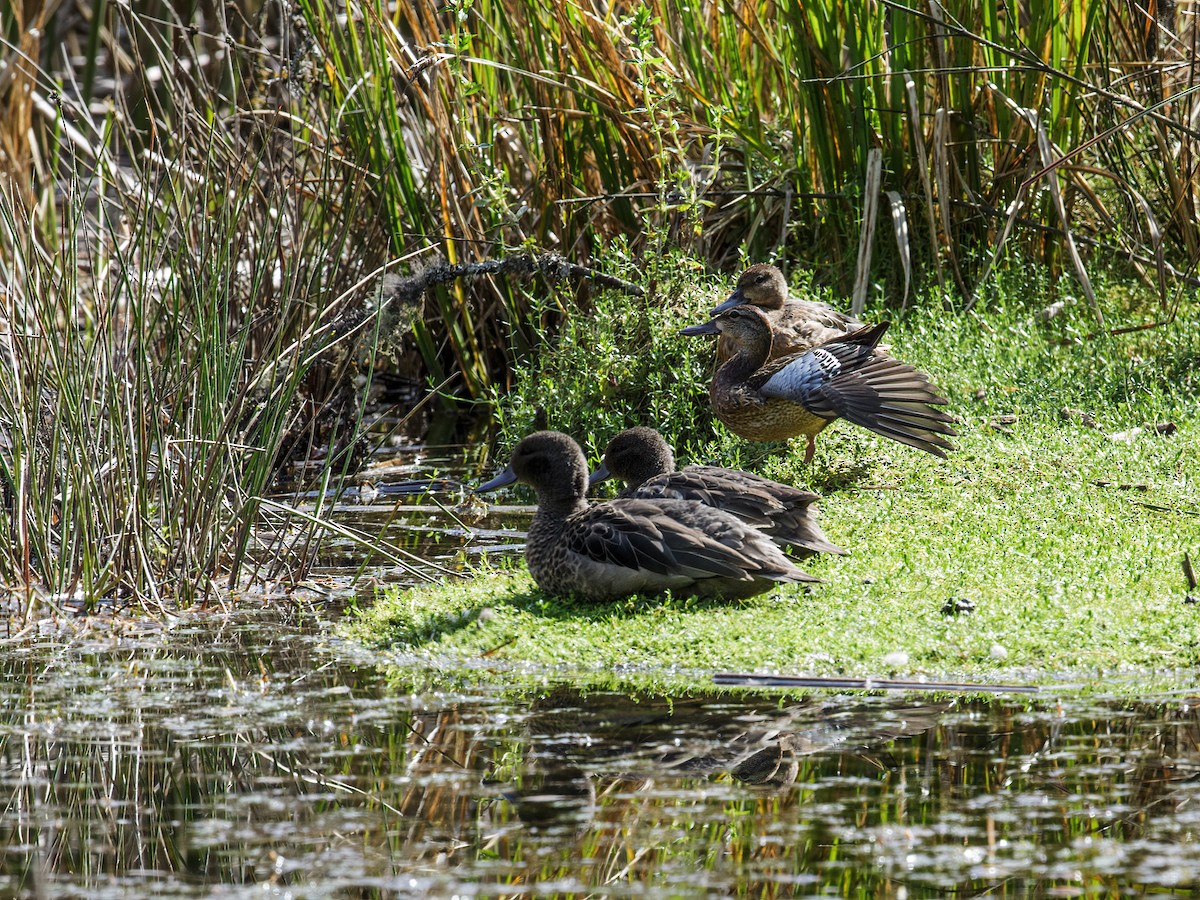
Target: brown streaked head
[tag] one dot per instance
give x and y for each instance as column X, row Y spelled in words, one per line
column 548, row 461
column 635, row 456
column 760, row 285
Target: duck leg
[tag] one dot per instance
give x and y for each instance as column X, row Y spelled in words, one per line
column 811, row 449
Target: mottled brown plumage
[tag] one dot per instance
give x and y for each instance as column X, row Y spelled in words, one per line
column 630, row 546
column 796, row 325
column 641, row 459
column 763, row 399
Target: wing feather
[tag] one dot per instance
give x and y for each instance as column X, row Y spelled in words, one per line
column 677, row 537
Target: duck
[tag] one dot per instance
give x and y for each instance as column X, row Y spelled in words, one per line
column 626, row 547
column 796, row 325
column 764, row 399
column 641, row 459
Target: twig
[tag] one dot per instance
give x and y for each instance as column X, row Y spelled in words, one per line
column 996, row 212
column 1170, row 509
column 866, row 684
column 553, row 266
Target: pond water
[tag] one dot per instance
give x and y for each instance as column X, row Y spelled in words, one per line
column 255, row 754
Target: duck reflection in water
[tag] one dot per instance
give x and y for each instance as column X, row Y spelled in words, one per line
column 585, row 746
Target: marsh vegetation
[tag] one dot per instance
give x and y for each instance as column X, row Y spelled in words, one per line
column 199, row 203
column 247, row 249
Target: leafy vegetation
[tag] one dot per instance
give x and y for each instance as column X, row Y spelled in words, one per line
column 196, row 203
column 881, row 145
column 626, row 364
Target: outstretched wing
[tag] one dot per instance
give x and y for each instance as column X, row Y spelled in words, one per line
column 848, row 378
column 890, row 398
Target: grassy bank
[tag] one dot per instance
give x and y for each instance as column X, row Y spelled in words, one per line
column 198, row 202
column 1064, row 531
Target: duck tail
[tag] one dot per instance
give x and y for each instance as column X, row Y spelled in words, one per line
column 795, row 527
column 803, row 537
column 870, row 336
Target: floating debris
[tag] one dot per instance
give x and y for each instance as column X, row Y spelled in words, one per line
column 1189, row 573
column 1082, row 416
column 1001, row 422
column 865, row 684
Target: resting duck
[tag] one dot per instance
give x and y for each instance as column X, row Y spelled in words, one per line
column 641, row 459
column 796, row 325
column 626, row 547
column 802, row 393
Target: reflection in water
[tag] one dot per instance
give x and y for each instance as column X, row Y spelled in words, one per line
column 413, row 501
column 261, row 755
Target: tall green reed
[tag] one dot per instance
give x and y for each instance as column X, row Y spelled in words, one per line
column 184, row 319
column 745, row 130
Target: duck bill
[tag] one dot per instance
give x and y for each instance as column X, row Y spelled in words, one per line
column 705, row 328
column 600, row 475
column 504, row 479
column 735, row 299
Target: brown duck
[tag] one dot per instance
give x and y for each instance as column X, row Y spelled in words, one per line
column 641, row 459
column 796, row 325
column 630, row 546
column 802, row 393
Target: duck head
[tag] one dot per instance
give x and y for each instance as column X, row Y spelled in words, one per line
column 760, row 285
column 634, row 456
column 548, row 461
column 747, row 326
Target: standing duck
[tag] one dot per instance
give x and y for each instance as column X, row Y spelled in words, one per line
column 641, row 459
column 796, row 325
column 626, row 547
column 802, row 393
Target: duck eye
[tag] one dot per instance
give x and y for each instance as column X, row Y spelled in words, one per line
column 760, row 279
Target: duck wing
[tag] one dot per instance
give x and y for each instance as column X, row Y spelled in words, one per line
column 710, row 485
column 850, row 379
column 796, row 312
column 782, row 511
column 677, row 538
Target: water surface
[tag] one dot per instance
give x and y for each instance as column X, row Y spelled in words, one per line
column 252, row 753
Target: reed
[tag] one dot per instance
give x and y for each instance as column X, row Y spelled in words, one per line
column 745, row 130
column 185, row 304
column 733, row 131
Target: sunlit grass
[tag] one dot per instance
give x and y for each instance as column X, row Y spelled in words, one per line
column 1066, row 532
